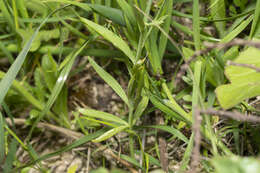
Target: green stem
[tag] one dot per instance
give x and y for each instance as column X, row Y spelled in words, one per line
column 205, row 19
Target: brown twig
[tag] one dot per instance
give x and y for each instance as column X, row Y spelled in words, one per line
column 244, row 65
column 74, row 135
column 64, row 132
column 197, row 140
column 196, row 129
column 162, row 143
column 233, row 115
column 209, row 47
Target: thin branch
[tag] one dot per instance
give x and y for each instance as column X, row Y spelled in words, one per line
column 209, row 47
column 196, row 129
column 197, row 141
column 75, row 135
column 162, row 144
column 244, row 65
column 233, row 115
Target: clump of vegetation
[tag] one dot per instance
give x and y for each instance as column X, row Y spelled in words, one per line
column 148, row 86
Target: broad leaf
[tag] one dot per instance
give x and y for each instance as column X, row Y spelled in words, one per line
column 73, row 168
column 245, row 82
column 236, row 164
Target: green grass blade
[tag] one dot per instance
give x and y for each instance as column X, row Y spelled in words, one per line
column 2, row 138
column 176, row 107
column 102, row 115
column 255, row 20
column 171, row 130
column 23, row 91
column 218, row 11
column 6, row 82
column 152, row 160
column 187, row 30
column 168, row 6
column 23, row 145
column 112, row 14
column 15, row 15
column 57, row 88
column 187, row 155
column 7, row 53
column 111, row 37
column 69, row 147
column 196, row 87
column 128, row 12
column 153, row 51
column 140, row 108
column 73, row 30
column 6, row 14
column 160, row 105
column 131, row 160
column 9, row 114
column 22, row 8
column 110, row 133
column 196, row 24
column 84, row 6
column 105, row 53
column 109, row 80
column 237, row 30
column 10, row 158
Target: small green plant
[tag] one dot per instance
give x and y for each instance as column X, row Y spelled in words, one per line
column 153, row 56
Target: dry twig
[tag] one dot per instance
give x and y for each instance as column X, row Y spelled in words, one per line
column 244, row 65
column 197, row 140
column 196, row 128
column 162, row 143
column 75, row 135
column 209, row 47
column 233, row 115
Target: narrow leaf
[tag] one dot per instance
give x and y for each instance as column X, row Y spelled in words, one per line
column 57, row 88
column 102, row 115
column 196, row 24
column 69, row 147
column 111, row 37
column 109, row 80
column 6, row 82
column 256, row 19
column 2, row 138
column 237, row 30
column 171, row 130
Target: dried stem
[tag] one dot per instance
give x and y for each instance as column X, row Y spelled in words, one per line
column 233, row 115
column 75, row 135
column 197, row 140
column 162, row 144
column 196, row 129
column 244, row 65
column 209, row 47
